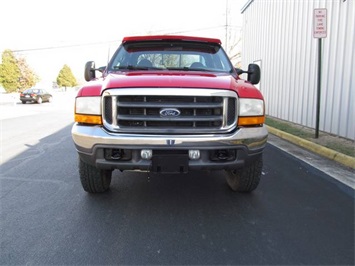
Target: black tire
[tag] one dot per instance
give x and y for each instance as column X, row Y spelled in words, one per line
column 23, row 102
column 92, row 179
column 245, row 179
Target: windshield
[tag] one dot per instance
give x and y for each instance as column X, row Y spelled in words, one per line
column 172, row 55
column 32, row 91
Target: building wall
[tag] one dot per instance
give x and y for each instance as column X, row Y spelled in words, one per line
column 278, row 35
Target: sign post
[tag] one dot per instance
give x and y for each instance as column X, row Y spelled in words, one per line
column 319, row 32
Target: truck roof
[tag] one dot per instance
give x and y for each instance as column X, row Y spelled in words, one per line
column 170, row 37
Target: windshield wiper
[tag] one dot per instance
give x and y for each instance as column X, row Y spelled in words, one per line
column 187, row 69
column 130, row 67
column 195, row 69
column 202, row 69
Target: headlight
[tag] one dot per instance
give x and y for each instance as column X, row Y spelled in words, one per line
column 88, row 110
column 251, row 107
column 251, row 112
column 88, row 105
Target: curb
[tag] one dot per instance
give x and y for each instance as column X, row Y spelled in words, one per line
column 323, row 151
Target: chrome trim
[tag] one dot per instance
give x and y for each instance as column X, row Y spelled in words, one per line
column 225, row 111
column 171, row 92
column 114, row 111
column 114, row 127
column 87, row 137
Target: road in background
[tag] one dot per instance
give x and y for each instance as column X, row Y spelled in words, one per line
column 298, row 214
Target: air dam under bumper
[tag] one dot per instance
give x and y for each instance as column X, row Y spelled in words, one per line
column 93, row 143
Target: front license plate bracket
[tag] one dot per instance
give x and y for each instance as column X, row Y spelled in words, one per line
column 170, row 163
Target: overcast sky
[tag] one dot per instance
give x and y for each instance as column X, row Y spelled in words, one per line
column 92, row 30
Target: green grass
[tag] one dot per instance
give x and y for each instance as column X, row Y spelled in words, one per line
column 288, row 127
column 347, row 150
column 335, row 143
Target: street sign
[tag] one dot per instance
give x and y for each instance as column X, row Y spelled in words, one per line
column 319, row 32
column 320, row 23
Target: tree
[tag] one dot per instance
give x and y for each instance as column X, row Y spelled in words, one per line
column 28, row 78
column 15, row 73
column 234, row 53
column 66, row 78
column 10, row 73
column 232, row 40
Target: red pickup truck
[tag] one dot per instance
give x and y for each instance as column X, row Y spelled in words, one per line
column 169, row 104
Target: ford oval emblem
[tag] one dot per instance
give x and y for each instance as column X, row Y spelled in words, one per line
column 169, row 112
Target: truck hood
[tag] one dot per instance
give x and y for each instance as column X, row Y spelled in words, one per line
column 169, row 79
column 159, row 79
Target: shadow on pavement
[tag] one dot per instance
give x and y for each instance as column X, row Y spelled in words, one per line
column 294, row 216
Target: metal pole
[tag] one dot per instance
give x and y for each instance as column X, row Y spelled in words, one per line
column 319, row 78
column 226, row 27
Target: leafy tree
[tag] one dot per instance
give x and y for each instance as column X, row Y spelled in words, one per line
column 66, row 78
column 28, row 78
column 10, row 73
column 15, row 73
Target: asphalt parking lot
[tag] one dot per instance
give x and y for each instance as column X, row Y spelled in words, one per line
column 298, row 215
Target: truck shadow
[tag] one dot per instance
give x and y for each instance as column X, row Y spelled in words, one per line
column 188, row 218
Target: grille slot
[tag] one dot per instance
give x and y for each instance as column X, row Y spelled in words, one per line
column 108, row 110
column 189, row 114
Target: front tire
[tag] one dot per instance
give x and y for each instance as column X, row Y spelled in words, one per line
column 39, row 100
column 245, row 179
column 92, row 179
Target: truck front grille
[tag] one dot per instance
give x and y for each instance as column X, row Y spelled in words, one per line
column 169, row 111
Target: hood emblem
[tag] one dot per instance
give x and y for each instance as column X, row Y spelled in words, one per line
column 169, row 112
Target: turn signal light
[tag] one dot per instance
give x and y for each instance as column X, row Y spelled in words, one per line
column 251, row 120
column 88, row 119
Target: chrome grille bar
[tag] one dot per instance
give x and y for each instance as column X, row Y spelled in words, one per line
column 200, row 110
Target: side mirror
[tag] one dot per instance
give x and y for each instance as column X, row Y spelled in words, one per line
column 89, row 72
column 253, row 73
column 239, row 71
column 101, row 69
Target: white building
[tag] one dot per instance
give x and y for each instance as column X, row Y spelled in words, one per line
column 278, row 35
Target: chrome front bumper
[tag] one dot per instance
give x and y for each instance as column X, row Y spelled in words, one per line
column 90, row 141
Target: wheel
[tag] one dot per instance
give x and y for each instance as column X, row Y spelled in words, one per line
column 39, row 100
column 92, row 179
column 24, row 102
column 245, row 179
column 50, row 99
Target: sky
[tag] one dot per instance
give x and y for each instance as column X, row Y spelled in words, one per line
column 51, row 33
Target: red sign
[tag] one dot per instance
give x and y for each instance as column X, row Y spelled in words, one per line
column 320, row 23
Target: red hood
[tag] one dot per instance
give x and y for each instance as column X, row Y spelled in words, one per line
column 168, row 79
column 144, row 79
